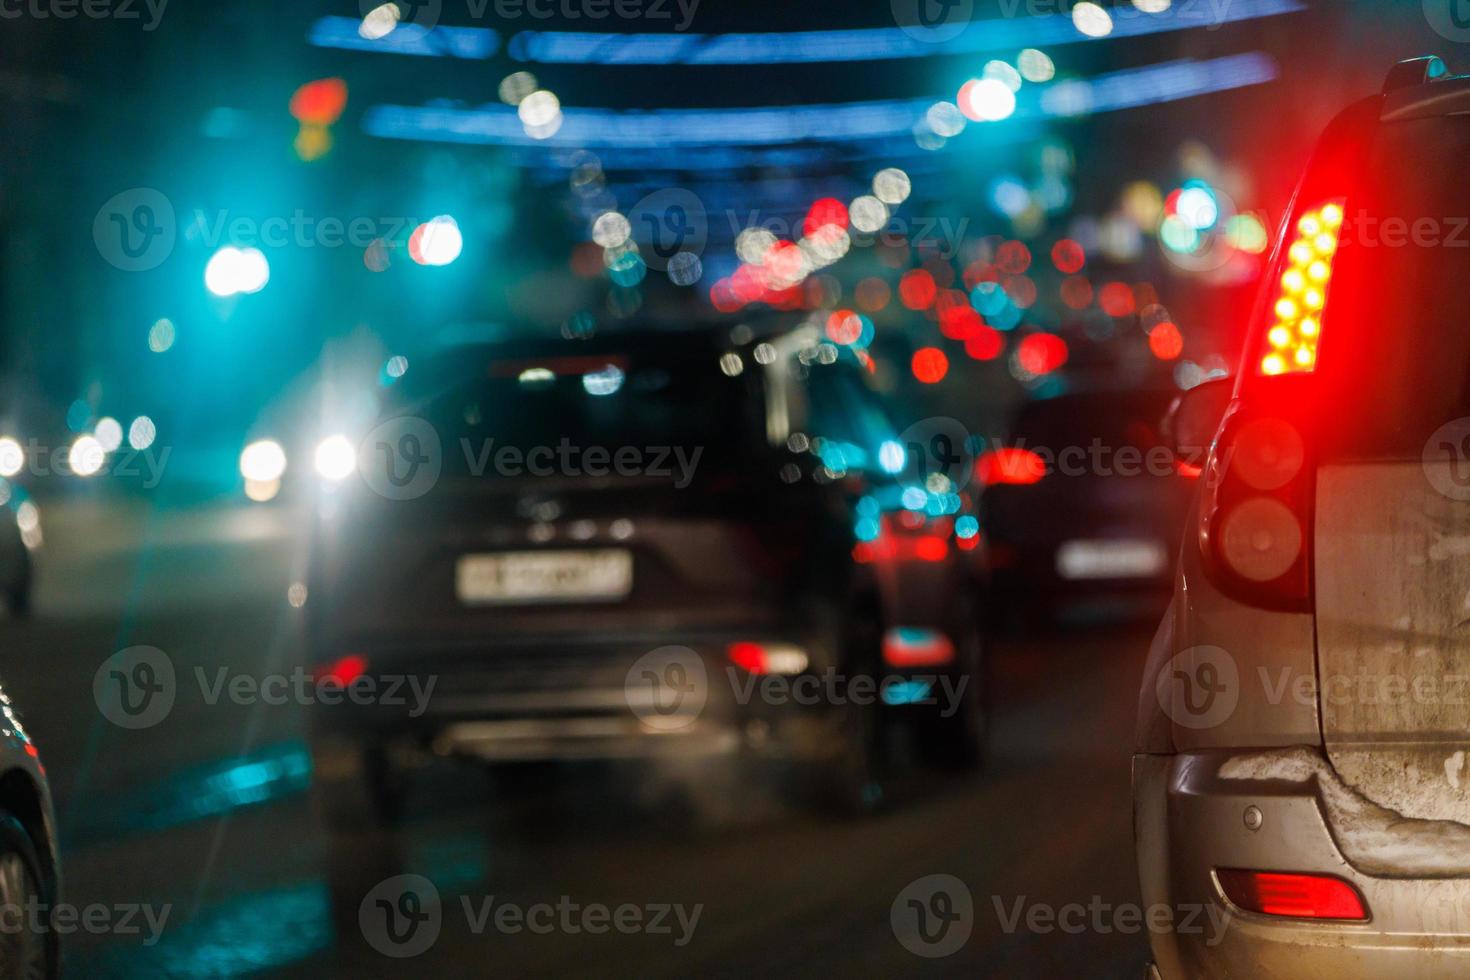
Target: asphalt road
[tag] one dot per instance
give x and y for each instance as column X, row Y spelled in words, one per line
column 203, row 817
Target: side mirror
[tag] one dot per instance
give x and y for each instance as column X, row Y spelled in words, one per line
column 1190, row 426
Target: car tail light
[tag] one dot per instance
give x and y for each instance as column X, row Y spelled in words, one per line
column 343, row 670
column 912, row 647
column 1013, row 466
column 1301, row 896
column 1304, row 274
column 1259, row 480
column 767, row 658
column 1256, row 509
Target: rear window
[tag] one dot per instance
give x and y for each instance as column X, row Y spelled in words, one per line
column 615, row 404
column 1396, row 334
column 1115, row 421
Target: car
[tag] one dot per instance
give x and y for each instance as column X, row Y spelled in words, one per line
column 30, row 866
column 1299, row 763
column 1081, row 505
column 617, row 522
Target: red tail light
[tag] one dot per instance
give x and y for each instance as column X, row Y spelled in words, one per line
column 914, row 647
column 1014, row 466
column 1300, row 896
column 1259, row 481
column 1256, row 508
column 1303, row 275
column 767, row 658
column 343, row 670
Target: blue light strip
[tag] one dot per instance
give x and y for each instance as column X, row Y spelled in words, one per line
column 474, row 43
column 773, row 48
column 666, row 128
column 871, row 44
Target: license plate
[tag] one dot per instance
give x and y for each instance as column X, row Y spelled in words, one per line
column 544, row 576
column 1121, row 558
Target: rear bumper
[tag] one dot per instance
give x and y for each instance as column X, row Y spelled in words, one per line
column 1189, row 822
column 572, row 697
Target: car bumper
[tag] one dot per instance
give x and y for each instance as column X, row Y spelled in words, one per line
column 1189, row 822
column 549, row 698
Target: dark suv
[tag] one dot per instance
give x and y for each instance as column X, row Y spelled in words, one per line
column 639, row 545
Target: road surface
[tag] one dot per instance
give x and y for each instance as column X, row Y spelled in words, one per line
column 195, row 838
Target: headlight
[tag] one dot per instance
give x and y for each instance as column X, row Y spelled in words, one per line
column 12, row 457
column 263, row 461
column 336, row 458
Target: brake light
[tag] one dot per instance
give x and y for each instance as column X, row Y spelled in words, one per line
column 1300, row 896
column 767, row 658
column 1290, row 343
column 343, row 670
column 1013, row 466
column 914, row 647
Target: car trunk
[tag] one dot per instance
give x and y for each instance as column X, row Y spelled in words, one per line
column 1393, row 635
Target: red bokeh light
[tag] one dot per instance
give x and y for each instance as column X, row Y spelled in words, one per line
column 827, row 211
column 1068, row 256
column 917, row 290
column 1116, row 299
column 319, row 103
column 1013, row 257
column 985, row 344
column 960, row 321
column 1016, row 467
column 930, row 365
column 1041, row 353
column 1165, row 341
column 1077, row 292
column 844, row 327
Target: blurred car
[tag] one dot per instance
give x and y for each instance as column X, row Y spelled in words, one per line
column 1083, row 504
column 30, row 867
column 743, row 519
column 1299, row 764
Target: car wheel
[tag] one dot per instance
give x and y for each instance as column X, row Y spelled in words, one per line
column 960, row 740
column 853, row 783
column 355, row 788
column 28, row 948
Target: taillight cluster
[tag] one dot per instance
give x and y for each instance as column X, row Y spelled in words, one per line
column 1256, row 513
column 1306, row 272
